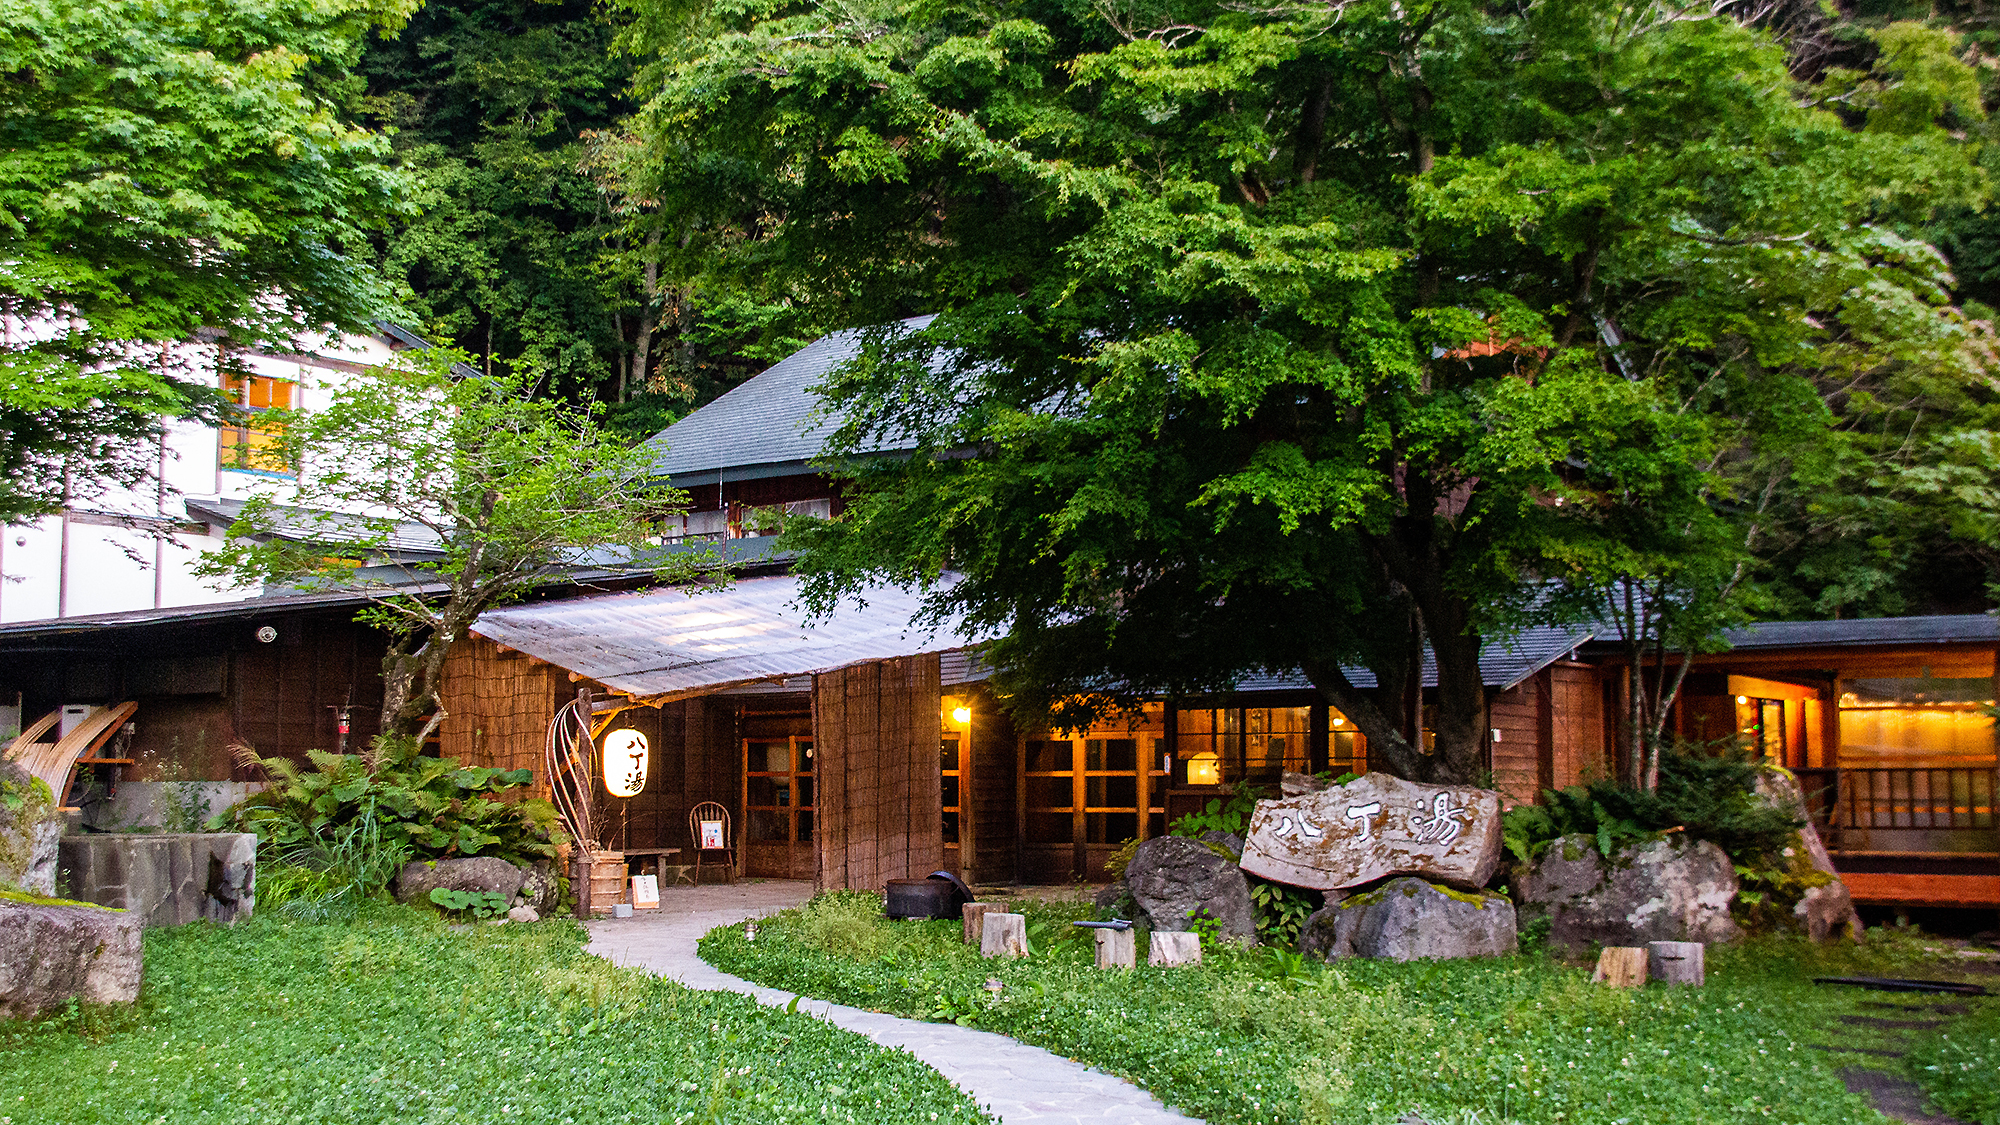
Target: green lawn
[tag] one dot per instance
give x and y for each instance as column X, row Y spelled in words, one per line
column 396, row 1018
column 1254, row 1038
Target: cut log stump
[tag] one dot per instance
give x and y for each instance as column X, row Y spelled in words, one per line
column 1168, row 949
column 1621, row 966
column 1117, row 949
column 974, row 914
column 1003, row 935
column 1677, row 962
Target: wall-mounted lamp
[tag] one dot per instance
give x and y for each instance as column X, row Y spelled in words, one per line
column 624, row 763
column 1338, row 721
column 1742, row 699
column 961, row 715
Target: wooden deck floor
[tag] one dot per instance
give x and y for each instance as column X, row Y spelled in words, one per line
column 1874, row 888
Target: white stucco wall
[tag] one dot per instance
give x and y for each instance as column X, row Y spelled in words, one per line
column 87, row 563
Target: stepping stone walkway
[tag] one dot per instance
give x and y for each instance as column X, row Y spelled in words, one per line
column 1017, row 1083
column 1893, row 1094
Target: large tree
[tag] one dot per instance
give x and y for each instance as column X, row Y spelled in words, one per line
column 1322, row 335
column 437, row 495
column 170, row 174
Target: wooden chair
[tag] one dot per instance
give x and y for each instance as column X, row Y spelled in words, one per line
column 710, row 814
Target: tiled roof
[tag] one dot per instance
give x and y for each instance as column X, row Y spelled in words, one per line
column 763, row 424
column 1942, row 629
column 1502, row 663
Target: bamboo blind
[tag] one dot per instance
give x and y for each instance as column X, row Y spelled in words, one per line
column 879, row 792
column 498, row 708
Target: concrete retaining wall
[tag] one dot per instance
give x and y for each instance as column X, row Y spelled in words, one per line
column 166, row 879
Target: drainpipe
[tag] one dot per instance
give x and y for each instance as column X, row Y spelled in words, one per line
column 62, row 555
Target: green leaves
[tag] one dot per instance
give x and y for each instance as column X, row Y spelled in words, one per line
column 433, row 805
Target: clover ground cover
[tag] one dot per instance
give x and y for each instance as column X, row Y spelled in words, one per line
column 397, row 1018
column 1272, row 1039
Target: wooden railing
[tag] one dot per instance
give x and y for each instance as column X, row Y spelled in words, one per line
column 1953, row 808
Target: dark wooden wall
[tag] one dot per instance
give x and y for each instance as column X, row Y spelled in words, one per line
column 878, row 795
column 498, row 706
column 994, row 763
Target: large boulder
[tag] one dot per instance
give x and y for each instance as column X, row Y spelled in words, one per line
column 538, row 889
column 1172, row 878
column 1376, row 825
column 1667, row 890
column 30, row 831
column 52, row 953
column 1408, row 919
column 1825, row 911
column 478, row 873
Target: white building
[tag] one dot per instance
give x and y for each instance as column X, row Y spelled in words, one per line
column 134, row 549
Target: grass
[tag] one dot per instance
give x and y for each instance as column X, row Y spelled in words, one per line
column 396, row 1018
column 1960, row 1067
column 1256, row 1038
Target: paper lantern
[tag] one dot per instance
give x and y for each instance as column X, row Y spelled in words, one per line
column 624, row 763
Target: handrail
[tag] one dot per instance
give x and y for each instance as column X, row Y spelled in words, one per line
column 1862, row 799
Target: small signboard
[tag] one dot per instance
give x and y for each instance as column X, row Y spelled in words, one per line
column 711, row 835
column 645, row 892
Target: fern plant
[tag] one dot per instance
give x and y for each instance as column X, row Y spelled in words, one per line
column 433, row 807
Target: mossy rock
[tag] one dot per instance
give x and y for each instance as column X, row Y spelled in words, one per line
column 30, row 829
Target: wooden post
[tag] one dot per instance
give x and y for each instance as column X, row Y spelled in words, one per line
column 1117, row 949
column 1621, row 966
column 1170, row 948
column 1003, row 935
column 1677, row 962
column 579, row 881
column 974, row 914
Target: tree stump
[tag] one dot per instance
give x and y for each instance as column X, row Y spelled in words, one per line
column 1677, row 962
column 1003, row 935
column 1169, row 948
column 974, row 914
column 1621, row 966
column 1117, row 949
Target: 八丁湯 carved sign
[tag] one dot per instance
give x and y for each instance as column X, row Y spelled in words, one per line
column 1373, row 826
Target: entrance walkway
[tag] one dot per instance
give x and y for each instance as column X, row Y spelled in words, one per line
column 1016, row 1082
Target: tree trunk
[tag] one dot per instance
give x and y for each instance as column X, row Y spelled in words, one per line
column 649, row 319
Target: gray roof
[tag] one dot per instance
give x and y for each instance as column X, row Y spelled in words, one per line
column 311, row 526
column 1502, row 663
column 220, row 611
column 672, row 643
column 1942, row 629
column 763, row 427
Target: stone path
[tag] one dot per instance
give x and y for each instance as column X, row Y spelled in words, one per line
column 1015, row 1082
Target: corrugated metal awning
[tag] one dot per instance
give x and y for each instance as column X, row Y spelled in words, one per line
column 660, row 645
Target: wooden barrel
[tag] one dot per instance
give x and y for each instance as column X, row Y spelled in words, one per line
column 607, row 881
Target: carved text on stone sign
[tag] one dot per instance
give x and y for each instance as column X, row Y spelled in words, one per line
column 1437, row 823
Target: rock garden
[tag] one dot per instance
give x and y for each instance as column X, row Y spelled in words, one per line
column 1444, row 967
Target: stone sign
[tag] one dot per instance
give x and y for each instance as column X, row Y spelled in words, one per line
column 1373, row 826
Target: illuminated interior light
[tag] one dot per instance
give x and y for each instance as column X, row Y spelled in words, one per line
column 1742, row 699
column 961, row 715
column 1204, row 769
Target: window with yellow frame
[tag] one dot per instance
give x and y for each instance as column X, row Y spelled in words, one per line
column 251, row 446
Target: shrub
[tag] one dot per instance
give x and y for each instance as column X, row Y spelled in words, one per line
column 329, row 874
column 846, row 924
column 1229, row 814
column 1709, row 791
column 434, row 807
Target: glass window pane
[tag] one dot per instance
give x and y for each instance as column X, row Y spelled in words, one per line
column 1111, row 828
column 1049, row 828
column 805, row 827
column 951, row 828
column 1046, row 755
column 1121, row 754
column 767, row 827
column 948, row 754
column 770, row 757
column 764, row 790
column 950, row 793
column 804, row 787
column 1049, row 792
column 1112, row 792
